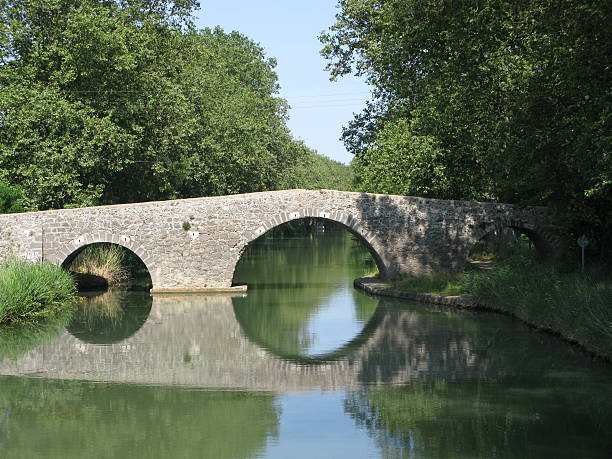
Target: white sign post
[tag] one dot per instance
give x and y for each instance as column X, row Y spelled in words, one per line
column 583, row 241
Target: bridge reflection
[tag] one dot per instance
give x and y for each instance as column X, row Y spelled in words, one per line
column 198, row 341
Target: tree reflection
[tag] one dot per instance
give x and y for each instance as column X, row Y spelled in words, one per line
column 70, row 419
column 477, row 419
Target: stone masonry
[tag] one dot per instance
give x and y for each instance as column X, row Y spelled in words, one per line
column 195, row 244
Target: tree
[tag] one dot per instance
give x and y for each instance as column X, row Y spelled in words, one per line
column 11, row 199
column 509, row 100
column 107, row 102
column 312, row 171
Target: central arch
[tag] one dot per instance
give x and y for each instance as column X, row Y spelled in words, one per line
column 350, row 223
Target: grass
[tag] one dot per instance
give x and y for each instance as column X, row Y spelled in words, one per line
column 103, row 260
column 30, row 291
column 440, row 283
column 575, row 305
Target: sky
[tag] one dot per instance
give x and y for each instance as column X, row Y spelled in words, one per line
column 288, row 31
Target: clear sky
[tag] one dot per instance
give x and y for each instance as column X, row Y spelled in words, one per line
column 288, row 30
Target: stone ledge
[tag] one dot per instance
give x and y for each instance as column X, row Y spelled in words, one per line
column 376, row 286
column 236, row 290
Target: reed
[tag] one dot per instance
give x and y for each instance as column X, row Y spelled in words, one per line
column 104, row 260
column 30, row 291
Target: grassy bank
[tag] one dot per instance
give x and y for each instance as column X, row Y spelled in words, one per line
column 576, row 305
column 33, row 290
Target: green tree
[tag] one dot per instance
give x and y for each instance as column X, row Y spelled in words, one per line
column 108, row 102
column 11, row 199
column 490, row 100
column 312, row 171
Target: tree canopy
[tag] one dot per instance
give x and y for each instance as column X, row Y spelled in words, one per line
column 487, row 100
column 122, row 101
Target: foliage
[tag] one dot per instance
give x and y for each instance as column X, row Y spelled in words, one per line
column 485, row 100
column 11, row 199
column 109, row 102
column 103, row 260
column 312, row 171
column 33, row 290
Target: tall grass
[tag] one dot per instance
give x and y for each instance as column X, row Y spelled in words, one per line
column 33, row 290
column 104, row 260
column 576, row 305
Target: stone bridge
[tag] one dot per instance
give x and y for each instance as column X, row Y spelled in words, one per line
column 195, row 244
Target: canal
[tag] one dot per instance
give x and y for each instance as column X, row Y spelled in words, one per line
column 303, row 366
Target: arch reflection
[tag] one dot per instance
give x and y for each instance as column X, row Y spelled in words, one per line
column 110, row 317
column 301, row 304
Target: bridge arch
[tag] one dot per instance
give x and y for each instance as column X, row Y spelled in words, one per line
column 352, row 224
column 545, row 243
column 344, row 351
column 68, row 251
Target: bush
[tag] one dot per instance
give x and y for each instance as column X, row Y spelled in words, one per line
column 33, row 290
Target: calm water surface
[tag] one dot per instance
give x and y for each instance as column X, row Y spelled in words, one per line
column 304, row 366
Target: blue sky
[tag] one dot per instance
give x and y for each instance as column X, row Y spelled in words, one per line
column 288, row 31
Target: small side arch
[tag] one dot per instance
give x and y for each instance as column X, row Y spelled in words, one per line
column 546, row 244
column 66, row 252
column 352, row 224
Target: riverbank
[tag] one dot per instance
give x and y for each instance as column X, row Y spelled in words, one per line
column 573, row 306
column 31, row 291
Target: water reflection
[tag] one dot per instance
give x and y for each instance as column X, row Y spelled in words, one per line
column 109, row 317
column 304, row 372
column 16, row 340
column 519, row 418
column 198, row 341
column 300, row 305
column 69, row 419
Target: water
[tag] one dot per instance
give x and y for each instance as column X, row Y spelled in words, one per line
column 303, row 366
